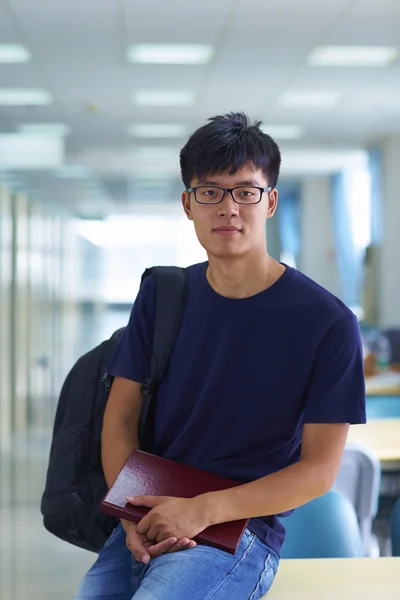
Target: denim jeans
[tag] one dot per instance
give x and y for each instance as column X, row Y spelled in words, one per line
column 200, row 573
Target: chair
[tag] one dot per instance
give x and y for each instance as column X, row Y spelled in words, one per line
column 359, row 479
column 395, row 529
column 383, row 407
column 326, row 527
column 393, row 336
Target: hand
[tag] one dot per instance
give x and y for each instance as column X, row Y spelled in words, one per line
column 144, row 550
column 170, row 517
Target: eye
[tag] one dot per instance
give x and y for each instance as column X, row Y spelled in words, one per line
column 247, row 193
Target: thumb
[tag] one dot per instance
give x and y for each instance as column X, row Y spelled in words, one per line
column 136, row 547
column 147, row 501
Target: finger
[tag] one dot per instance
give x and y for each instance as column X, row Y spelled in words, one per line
column 140, row 553
column 159, row 537
column 182, row 544
column 162, row 547
column 153, row 534
column 148, row 501
column 144, row 525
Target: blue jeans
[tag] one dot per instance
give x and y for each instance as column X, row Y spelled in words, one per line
column 200, row 573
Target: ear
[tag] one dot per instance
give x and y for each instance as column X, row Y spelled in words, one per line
column 186, row 205
column 272, row 202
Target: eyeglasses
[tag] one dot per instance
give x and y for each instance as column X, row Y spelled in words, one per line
column 212, row 194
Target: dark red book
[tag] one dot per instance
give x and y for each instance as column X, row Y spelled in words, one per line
column 148, row 475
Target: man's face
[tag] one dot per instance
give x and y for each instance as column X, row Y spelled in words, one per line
column 229, row 229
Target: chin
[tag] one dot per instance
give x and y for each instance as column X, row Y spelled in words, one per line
column 225, row 248
column 226, row 253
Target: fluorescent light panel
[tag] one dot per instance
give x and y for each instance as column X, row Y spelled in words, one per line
column 14, row 53
column 283, row 132
column 310, row 99
column 163, row 98
column 353, row 56
column 50, row 129
column 157, row 130
column 173, row 54
column 73, row 172
column 24, row 97
column 30, row 152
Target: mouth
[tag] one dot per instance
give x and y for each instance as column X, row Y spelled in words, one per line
column 227, row 230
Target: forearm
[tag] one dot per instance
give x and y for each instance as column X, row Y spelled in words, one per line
column 281, row 491
column 117, row 442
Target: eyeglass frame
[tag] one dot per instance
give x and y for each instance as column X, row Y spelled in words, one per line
column 230, row 190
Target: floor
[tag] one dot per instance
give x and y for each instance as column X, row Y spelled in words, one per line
column 34, row 564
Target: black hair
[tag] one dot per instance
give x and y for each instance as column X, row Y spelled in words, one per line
column 227, row 143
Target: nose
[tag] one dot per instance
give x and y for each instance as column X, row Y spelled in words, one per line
column 228, row 207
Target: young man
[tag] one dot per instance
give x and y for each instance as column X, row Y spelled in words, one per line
column 265, row 377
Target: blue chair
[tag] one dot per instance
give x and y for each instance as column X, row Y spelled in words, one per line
column 395, row 529
column 383, row 407
column 359, row 479
column 326, row 527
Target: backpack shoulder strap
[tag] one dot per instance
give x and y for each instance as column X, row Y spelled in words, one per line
column 171, row 289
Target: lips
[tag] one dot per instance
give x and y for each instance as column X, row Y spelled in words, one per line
column 227, row 229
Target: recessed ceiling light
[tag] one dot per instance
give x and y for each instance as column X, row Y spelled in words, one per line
column 173, row 54
column 24, row 97
column 157, row 130
column 352, row 56
column 163, row 98
column 14, row 53
column 51, row 129
column 283, row 132
column 310, row 99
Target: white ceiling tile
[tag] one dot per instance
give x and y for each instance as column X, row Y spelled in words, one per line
column 369, row 23
column 73, row 12
column 8, row 33
column 283, row 16
column 79, row 50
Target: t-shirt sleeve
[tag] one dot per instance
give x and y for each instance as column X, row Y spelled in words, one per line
column 131, row 356
column 337, row 389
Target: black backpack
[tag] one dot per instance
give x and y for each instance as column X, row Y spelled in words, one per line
column 75, row 482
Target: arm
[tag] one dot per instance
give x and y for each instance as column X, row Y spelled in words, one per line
column 119, row 438
column 130, row 366
column 120, row 425
column 312, row 476
column 335, row 398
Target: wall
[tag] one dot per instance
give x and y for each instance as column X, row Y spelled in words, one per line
column 389, row 272
column 317, row 256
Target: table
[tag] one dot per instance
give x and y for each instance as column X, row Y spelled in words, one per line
column 383, row 436
column 337, row 579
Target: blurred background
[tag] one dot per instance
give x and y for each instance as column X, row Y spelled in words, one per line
column 96, row 100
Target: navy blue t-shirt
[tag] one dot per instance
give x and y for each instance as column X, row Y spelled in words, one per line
column 246, row 374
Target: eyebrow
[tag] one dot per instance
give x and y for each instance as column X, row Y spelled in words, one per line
column 251, row 182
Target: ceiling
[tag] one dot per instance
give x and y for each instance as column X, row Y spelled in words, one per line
column 79, row 49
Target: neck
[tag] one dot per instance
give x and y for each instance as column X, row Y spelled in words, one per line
column 242, row 277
